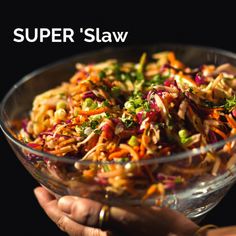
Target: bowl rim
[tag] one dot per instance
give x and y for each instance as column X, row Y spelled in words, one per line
column 68, row 159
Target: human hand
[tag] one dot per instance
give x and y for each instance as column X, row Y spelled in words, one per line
column 80, row 216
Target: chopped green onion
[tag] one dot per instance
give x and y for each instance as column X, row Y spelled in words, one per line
column 61, row 105
column 183, row 134
column 158, row 79
column 122, row 159
column 97, row 131
column 139, row 74
column 60, row 114
column 77, row 129
column 146, row 106
column 179, row 180
column 138, row 110
column 106, row 168
column 62, row 95
column 105, row 103
column 129, row 105
column 128, row 122
column 115, row 91
column 89, row 103
column 142, row 62
column 104, row 87
column 133, row 141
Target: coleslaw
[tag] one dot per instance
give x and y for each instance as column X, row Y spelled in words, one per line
column 124, row 112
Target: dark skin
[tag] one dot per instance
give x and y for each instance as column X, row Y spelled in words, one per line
column 79, row 216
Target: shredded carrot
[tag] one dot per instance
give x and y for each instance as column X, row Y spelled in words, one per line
column 91, row 143
column 143, row 144
column 100, row 141
column 144, row 140
column 63, row 143
column 102, row 137
column 62, row 150
column 78, row 76
column 151, row 190
column 190, row 111
column 171, row 57
column 35, row 146
column 142, row 150
column 173, row 61
column 215, row 114
column 93, row 112
column 107, row 82
column 89, row 173
column 219, row 132
column 215, row 108
column 94, row 79
column 118, row 154
column 111, row 174
column 112, row 167
column 231, row 121
column 103, row 93
column 188, row 78
column 177, row 64
column 130, row 150
column 154, row 189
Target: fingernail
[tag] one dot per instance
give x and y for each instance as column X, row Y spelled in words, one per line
column 64, row 204
column 36, row 192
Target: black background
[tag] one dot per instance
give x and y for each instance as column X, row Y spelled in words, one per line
column 193, row 23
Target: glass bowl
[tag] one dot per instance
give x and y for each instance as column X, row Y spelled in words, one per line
column 62, row 175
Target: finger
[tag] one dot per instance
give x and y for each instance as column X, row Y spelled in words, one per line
column 75, row 229
column 86, row 212
column 49, row 204
column 43, row 195
column 81, row 210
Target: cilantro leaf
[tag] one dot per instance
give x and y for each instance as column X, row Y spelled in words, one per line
column 102, row 74
column 230, row 103
column 158, row 79
column 128, row 122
